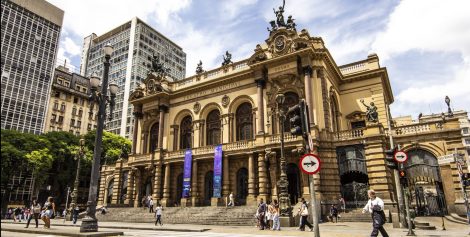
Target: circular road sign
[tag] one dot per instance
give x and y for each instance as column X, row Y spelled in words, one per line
column 400, row 156
column 310, row 163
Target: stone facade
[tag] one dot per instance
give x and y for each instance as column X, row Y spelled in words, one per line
column 235, row 106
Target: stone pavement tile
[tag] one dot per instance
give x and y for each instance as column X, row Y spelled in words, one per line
column 57, row 230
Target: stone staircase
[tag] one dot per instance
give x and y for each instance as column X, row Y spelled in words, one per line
column 424, row 226
column 456, row 219
column 234, row 216
column 356, row 215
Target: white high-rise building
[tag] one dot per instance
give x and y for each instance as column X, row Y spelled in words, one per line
column 134, row 44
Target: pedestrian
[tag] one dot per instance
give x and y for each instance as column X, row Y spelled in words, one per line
column 334, row 213
column 27, row 213
column 230, row 197
column 342, row 204
column 49, row 210
column 158, row 214
column 9, row 213
column 144, row 202
column 75, row 213
column 261, row 214
column 276, row 223
column 35, row 211
column 304, row 216
column 375, row 206
column 17, row 214
column 151, row 205
column 269, row 216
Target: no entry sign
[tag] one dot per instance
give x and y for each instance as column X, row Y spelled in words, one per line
column 400, row 156
column 310, row 163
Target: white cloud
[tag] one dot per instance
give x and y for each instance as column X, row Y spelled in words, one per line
column 431, row 25
column 71, row 47
column 231, row 8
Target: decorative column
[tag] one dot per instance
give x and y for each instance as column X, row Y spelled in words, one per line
column 130, row 189
column 251, row 198
column 263, row 177
column 137, row 116
column 166, row 187
column 194, row 187
column 145, row 136
column 174, row 129
column 260, row 83
column 157, row 182
column 162, row 110
column 225, row 177
column 117, row 182
column 309, row 92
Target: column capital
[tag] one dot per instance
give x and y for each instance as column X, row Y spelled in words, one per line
column 163, row 108
column 260, row 83
column 307, row 70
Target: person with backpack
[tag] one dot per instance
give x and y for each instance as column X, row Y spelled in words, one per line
column 304, row 216
column 35, row 211
column 262, row 214
column 158, row 214
column 375, row 206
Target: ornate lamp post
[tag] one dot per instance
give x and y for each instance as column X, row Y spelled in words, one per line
column 283, row 183
column 90, row 223
column 77, row 176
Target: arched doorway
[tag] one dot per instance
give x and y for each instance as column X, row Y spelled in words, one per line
column 244, row 118
column 291, row 99
column 179, row 188
column 109, row 194
column 425, row 183
column 213, row 126
column 208, row 187
column 353, row 175
column 293, row 176
column 186, row 130
column 242, row 186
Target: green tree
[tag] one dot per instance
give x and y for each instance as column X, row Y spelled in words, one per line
column 114, row 146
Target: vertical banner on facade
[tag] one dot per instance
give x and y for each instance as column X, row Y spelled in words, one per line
column 218, row 171
column 187, row 173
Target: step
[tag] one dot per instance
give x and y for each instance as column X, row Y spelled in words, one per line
column 425, row 227
column 421, row 223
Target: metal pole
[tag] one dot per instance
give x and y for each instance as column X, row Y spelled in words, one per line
column 66, row 202
column 396, row 176
column 410, row 227
column 283, row 183
column 77, row 180
column 313, row 200
column 90, row 223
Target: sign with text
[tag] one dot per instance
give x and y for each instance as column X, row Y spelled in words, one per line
column 217, row 171
column 188, row 159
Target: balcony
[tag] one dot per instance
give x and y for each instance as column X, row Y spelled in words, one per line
column 348, row 134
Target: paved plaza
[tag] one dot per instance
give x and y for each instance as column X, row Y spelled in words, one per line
column 348, row 229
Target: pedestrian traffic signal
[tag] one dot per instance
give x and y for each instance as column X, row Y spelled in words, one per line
column 403, row 177
column 391, row 162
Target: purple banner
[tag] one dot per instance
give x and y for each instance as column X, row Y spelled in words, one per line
column 218, row 171
column 188, row 158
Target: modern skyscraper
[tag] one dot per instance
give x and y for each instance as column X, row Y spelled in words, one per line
column 135, row 43
column 30, row 39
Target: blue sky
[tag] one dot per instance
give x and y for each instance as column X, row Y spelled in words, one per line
column 425, row 44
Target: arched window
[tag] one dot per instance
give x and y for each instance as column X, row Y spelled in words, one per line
column 291, row 100
column 74, row 111
column 153, row 137
column 334, row 114
column 213, row 127
column 244, row 118
column 185, row 134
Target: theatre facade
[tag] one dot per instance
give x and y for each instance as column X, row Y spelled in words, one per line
column 199, row 139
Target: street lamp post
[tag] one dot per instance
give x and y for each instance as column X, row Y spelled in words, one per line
column 90, row 223
column 449, row 110
column 283, row 183
column 77, row 176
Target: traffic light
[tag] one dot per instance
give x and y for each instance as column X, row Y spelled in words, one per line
column 299, row 120
column 466, row 179
column 391, row 162
column 403, row 178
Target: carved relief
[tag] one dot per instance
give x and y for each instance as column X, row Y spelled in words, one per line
column 196, row 107
column 225, row 101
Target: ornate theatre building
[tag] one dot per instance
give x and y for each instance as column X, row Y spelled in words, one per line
column 203, row 137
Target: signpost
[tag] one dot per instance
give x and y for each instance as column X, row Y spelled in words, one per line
column 400, row 156
column 310, row 164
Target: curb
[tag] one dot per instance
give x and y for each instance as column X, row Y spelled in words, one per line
column 64, row 233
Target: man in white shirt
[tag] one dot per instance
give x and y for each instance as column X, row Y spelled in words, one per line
column 151, row 205
column 231, row 203
column 375, row 206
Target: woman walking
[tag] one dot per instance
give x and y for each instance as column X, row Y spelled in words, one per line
column 304, row 216
column 276, row 223
column 49, row 210
column 269, row 216
column 35, row 209
column 375, row 206
column 158, row 214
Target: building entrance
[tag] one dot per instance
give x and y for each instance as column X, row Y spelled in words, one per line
column 425, row 183
column 353, row 175
column 208, row 187
column 293, row 176
column 242, row 186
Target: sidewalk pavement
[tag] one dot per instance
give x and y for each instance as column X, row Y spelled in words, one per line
column 347, row 229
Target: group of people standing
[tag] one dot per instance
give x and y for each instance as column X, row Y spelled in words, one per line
column 45, row 212
column 268, row 215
